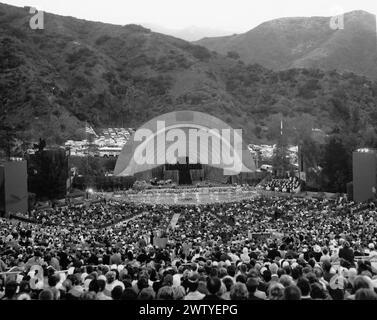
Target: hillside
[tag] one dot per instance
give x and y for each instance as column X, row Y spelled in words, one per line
column 307, row 43
column 53, row 80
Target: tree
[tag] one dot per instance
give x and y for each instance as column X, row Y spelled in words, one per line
column 47, row 174
column 233, row 55
column 8, row 137
column 273, row 124
column 337, row 171
column 369, row 137
column 92, row 147
column 7, row 140
column 39, row 147
column 309, row 149
column 8, row 56
column 280, row 159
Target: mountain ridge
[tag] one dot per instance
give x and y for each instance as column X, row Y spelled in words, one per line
column 75, row 71
column 307, row 43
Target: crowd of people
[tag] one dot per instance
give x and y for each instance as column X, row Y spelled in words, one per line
column 289, row 185
column 93, row 215
column 200, row 187
column 256, row 249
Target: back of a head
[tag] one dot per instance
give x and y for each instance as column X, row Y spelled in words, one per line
column 239, row 292
column 11, row 289
column 267, row 275
column 222, row 273
column 213, row 272
column 193, row 282
column 362, row 282
column 326, row 265
column 286, row 280
column 292, row 293
column 367, row 273
column 129, row 294
column 53, row 280
column 116, row 293
column 253, row 273
column 317, row 291
column 318, row 272
column 213, row 285
column 179, row 293
column 168, row 280
column 93, row 286
column 231, row 270
column 243, row 268
column 228, row 282
column 365, row 294
column 274, row 268
column 165, row 293
column 281, row 272
column 91, row 295
column 142, row 283
column 101, row 284
column 304, row 285
column 46, row 295
column 241, row 278
column 127, row 283
column 67, row 284
column 146, row 294
column 252, row 285
column 296, row 273
column 312, row 262
column 276, row 291
column 336, row 294
column 311, row 276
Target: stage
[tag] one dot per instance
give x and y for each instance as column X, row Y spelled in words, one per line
column 185, row 196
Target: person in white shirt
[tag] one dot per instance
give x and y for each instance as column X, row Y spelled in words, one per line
column 177, row 277
column 245, row 255
column 372, row 250
column 112, row 282
column 101, row 288
column 325, row 255
column 196, row 255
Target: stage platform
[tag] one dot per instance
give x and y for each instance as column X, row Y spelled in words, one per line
column 186, row 195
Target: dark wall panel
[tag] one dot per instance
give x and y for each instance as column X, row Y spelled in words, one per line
column 15, row 187
column 2, row 191
column 364, row 175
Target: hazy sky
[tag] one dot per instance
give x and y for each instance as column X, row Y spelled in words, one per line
column 232, row 15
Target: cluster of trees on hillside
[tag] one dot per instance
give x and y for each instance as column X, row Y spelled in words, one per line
column 327, row 157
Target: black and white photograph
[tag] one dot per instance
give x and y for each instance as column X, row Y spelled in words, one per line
column 188, row 158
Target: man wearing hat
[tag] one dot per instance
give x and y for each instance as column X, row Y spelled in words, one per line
column 192, row 287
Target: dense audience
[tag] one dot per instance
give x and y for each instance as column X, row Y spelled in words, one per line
column 289, row 185
column 105, row 212
column 258, row 249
